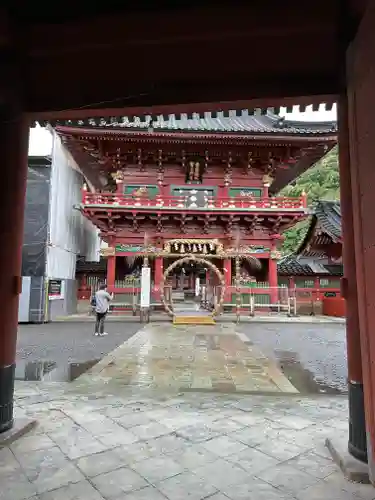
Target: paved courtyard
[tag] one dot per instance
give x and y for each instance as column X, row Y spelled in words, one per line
column 121, row 445
column 164, row 356
column 309, row 353
column 111, row 436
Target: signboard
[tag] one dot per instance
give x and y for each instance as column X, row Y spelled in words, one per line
column 129, row 248
column 244, row 192
column 330, row 294
column 145, row 287
column 134, row 248
column 55, row 289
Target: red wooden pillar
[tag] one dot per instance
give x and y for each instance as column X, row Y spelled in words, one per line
column 361, row 102
column 357, row 428
column 120, row 187
column 111, row 272
column 222, row 192
column 158, row 276
column 316, row 291
column 14, row 133
column 272, row 278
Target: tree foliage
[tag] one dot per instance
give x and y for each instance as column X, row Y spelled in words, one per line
column 320, row 182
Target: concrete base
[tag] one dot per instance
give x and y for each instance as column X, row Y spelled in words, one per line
column 353, row 469
column 20, row 427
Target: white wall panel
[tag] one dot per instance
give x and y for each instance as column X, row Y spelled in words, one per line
column 70, row 234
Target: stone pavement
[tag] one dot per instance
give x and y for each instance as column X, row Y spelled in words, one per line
column 117, row 445
column 188, row 357
column 226, row 317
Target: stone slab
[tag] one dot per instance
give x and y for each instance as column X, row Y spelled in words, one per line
column 20, row 427
column 280, row 440
column 353, row 469
column 214, row 358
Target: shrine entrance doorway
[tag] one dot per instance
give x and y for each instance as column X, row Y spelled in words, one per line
column 166, row 295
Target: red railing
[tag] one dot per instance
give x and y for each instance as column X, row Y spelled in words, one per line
column 184, row 202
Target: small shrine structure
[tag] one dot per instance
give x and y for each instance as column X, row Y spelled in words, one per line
column 315, row 268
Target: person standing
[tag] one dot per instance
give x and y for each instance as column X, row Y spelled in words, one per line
column 102, row 300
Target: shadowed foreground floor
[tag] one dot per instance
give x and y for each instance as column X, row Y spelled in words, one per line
column 116, row 445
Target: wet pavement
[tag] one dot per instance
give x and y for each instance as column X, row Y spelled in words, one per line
column 312, row 356
column 120, row 445
column 61, row 351
column 189, row 357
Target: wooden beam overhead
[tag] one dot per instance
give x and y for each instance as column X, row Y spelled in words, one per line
column 168, row 54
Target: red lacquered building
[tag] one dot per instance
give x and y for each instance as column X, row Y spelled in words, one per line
column 205, row 185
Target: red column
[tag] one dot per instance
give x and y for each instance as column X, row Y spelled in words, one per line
column 360, row 78
column 357, row 428
column 222, row 192
column 84, row 193
column 316, row 291
column 111, row 272
column 272, row 280
column 158, row 276
column 120, row 187
column 14, row 133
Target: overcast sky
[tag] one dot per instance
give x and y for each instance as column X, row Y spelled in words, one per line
column 40, row 143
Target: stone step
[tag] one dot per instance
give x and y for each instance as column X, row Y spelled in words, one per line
column 193, row 319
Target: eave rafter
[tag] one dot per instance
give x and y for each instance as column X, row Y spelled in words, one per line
column 252, row 223
column 308, row 158
column 159, row 220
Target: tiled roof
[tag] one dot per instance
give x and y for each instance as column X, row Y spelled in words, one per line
column 325, row 226
column 290, row 266
column 335, row 269
column 328, row 216
column 239, row 122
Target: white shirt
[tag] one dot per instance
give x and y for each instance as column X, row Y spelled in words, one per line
column 102, row 299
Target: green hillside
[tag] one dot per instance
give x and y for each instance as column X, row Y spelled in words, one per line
column 320, row 182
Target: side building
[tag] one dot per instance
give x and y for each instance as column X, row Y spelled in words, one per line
column 55, row 236
column 315, row 268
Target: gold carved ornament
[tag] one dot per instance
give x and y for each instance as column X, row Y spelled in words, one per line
column 275, row 255
column 212, row 244
column 205, row 262
column 108, row 252
column 267, row 180
column 118, row 176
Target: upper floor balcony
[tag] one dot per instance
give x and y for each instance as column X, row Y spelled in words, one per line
column 196, row 203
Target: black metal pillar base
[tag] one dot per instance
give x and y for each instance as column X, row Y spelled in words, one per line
column 357, row 444
column 6, row 397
